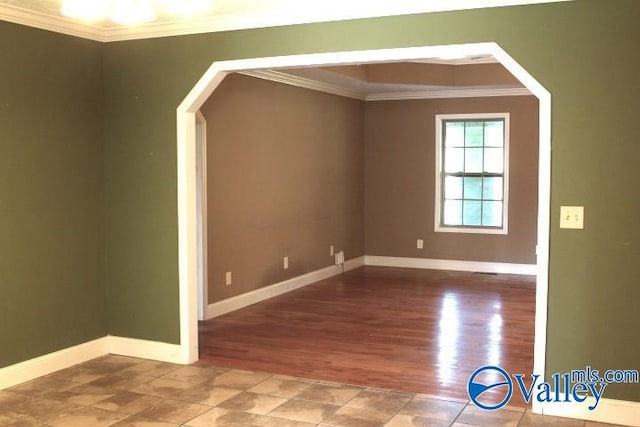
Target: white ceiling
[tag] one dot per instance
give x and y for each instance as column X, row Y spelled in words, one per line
column 234, row 14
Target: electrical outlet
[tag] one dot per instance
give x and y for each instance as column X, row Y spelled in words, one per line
column 332, row 250
column 340, row 258
column 572, row 217
column 420, row 244
column 227, row 278
column 285, row 262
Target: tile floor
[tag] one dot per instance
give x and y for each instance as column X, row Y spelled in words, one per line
column 126, row 392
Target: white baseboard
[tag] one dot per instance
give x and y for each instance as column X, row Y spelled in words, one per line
column 609, row 411
column 447, row 264
column 144, row 349
column 253, row 297
column 52, row 362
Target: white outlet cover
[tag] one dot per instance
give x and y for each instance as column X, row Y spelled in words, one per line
column 420, row 244
column 572, row 217
column 227, row 278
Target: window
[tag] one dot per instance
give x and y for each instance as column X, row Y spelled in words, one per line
column 472, row 153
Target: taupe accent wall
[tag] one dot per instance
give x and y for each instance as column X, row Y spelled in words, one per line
column 400, row 181
column 292, row 171
column 285, row 178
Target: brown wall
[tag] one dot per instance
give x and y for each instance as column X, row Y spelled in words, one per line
column 400, row 181
column 285, row 178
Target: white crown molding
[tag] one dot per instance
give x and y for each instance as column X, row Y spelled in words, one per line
column 285, row 14
column 18, row 15
column 450, row 93
column 288, row 79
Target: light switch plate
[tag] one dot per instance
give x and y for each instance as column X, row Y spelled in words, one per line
column 572, row 217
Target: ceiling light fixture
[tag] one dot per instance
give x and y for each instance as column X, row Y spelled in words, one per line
column 131, row 12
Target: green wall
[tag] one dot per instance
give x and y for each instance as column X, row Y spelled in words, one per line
column 583, row 51
column 51, row 288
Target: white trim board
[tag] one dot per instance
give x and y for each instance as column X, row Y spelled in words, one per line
column 454, row 265
column 609, row 411
column 240, row 301
column 52, row 362
column 58, row 360
column 187, row 157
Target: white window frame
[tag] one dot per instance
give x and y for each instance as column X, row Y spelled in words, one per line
column 440, row 118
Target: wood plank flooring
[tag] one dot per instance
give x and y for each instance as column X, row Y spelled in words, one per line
column 420, row 331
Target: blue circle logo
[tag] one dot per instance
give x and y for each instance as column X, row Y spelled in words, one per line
column 489, row 378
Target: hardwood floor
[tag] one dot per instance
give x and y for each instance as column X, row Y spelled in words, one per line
column 420, row 331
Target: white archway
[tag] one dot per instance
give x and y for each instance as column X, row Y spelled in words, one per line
column 187, row 176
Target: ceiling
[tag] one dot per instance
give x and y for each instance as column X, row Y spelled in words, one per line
column 479, row 76
column 233, row 15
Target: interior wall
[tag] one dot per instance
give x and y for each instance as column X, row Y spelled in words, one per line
column 284, row 178
column 571, row 48
column 400, row 181
column 51, row 288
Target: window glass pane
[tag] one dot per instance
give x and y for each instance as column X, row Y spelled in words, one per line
column 452, row 187
column 473, row 134
column 471, row 213
column 452, row 212
column 454, row 134
column 494, row 160
column 494, row 134
column 454, row 160
column 473, row 159
column 473, row 188
column 492, row 214
column 492, row 189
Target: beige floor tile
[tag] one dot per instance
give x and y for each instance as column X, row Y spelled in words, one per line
column 174, row 411
column 111, row 363
column 474, row 416
column 189, row 392
column 415, row 421
column 305, row 411
column 279, row 387
column 79, row 374
column 430, row 408
column 6, row 421
column 194, row 374
column 221, row 417
column 137, row 421
column 348, row 416
column 152, row 368
column 530, row 420
column 43, row 411
column 596, row 424
column 218, row 417
column 253, row 403
column 82, row 394
column 236, row 378
column 380, row 400
column 9, row 399
column 213, row 396
column 329, row 393
column 292, row 378
column 43, row 386
column 162, row 387
column 93, row 417
column 121, row 381
column 128, row 402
